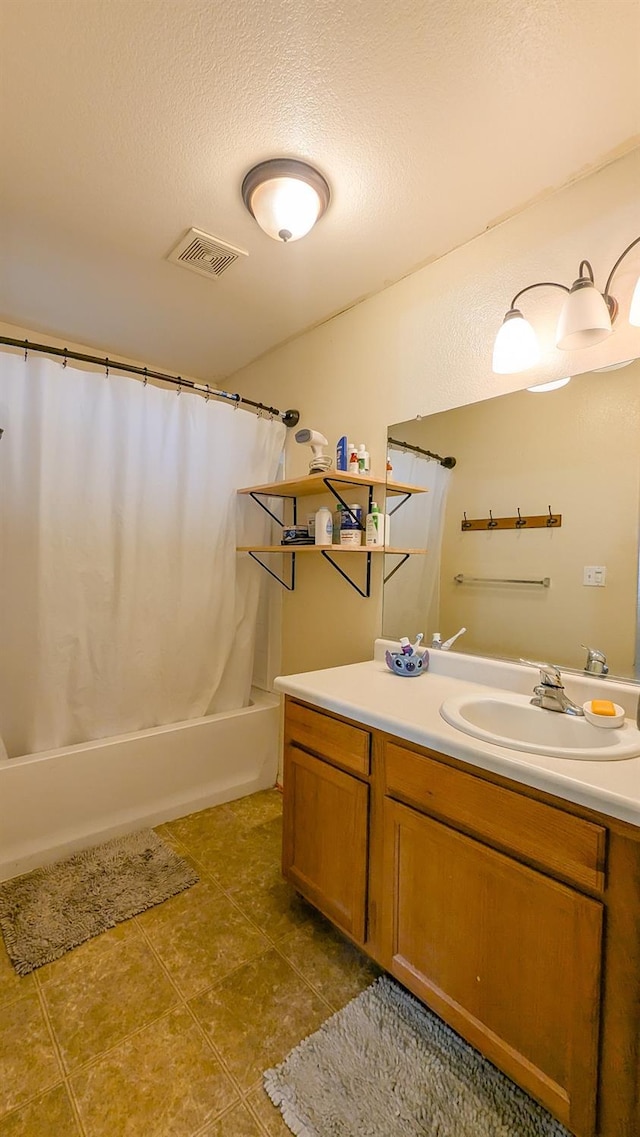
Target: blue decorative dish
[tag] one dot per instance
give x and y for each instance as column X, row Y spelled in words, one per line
column 408, row 665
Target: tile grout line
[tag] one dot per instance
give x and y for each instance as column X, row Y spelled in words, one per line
column 206, row 1038
column 273, row 942
column 66, row 1077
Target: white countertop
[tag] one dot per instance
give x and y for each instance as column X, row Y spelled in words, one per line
column 410, row 709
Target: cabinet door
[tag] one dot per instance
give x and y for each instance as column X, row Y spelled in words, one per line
column 324, row 851
column 507, row 956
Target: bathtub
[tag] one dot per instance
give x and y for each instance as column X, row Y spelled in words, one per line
column 59, row 801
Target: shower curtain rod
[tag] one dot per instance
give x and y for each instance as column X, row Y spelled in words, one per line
column 289, row 418
column 448, row 463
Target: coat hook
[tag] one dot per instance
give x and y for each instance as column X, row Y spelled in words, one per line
column 179, row 391
column 465, row 524
column 146, row 378
column 206, row 398
column 106, row 369
column 491, row 524
column 26, row 350
column 551, row 520
column 521, row 520
column 64, row 361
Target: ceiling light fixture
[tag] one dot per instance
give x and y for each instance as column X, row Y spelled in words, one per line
column 286, row 197
column 586, row 318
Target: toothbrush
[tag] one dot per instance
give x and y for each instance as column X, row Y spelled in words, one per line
column 449, row 643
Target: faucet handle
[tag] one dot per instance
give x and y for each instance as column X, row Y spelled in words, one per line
column 596, row 663
column 549, row 673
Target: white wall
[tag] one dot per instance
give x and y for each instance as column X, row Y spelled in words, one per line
column 424, row 345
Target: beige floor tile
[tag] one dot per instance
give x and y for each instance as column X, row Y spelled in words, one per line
column 257, row 1014
column 28, row 1062
column 200, row 937
column 253, row 855
column 162, row 1082
column 331, row 964
column 269, row 1116
column 78, row 958
column 272, row 904
column 257, row 808
column 48, row 1116
column 12, row 985
column 210, row 829
column 111, row 991
column 238, row 1122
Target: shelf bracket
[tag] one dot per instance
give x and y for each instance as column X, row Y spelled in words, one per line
column 327, row 482
column 291, row 583
column 396, row 567
column 399, row 506
column 366, row 592
column 283, row 497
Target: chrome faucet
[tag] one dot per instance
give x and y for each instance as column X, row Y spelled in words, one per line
column 549, row 693
column 596, row 661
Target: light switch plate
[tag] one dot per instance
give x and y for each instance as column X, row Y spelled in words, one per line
column 595, row 575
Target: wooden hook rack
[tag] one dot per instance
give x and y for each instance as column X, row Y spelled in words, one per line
column 547, row 520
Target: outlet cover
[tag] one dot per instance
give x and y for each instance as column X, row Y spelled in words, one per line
column 595, row 575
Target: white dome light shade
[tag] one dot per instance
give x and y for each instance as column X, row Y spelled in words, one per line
column 553, row 385
column 285, row 206
column 516, row 347
column 584, row 319
column 634, row 311
column 286, row 197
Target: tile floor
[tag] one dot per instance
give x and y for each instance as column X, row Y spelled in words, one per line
column 162, row 1026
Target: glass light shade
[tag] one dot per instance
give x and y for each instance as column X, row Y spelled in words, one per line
column 634, row 311
column 584, row 319
column 286, row 208
column 553, row 385
column 516, row 347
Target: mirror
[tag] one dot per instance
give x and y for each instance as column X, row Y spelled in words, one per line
column 524, row 591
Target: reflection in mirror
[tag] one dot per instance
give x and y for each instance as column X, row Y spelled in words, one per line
column 574, row 451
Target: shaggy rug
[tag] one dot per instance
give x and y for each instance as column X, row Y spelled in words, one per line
column 53, row 909
column 385, row 1066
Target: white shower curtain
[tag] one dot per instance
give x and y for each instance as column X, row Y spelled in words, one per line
column 412, row 595
column 121, row 606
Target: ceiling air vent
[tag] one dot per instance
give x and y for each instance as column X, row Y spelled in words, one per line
column 205, row 254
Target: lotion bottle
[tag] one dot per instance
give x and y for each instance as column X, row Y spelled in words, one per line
column 375, row 526
column 363, row 460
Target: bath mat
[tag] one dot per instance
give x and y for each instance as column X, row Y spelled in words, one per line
column 385, row 1066
column 51, row 910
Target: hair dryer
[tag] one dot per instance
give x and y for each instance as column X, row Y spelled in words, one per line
column 316, row 441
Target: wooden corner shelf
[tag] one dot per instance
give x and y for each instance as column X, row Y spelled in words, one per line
column 311, row 484
column 329, row 481
column 328, row 549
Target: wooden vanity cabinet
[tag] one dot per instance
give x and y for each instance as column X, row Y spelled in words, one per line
column 326, row 815
column 508, row 956
column 515, row 916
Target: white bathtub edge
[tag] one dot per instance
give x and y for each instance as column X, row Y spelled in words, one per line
column 52, row 806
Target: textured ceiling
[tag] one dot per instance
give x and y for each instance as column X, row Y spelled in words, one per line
column 125, row 122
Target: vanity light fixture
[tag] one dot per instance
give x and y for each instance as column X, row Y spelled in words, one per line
column 286, row 197
column 586, row 318
column 553, row 385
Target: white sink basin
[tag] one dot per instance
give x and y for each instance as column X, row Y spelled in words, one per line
column 510, row 720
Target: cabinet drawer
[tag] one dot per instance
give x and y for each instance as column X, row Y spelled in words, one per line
column 340, row 743
column 560, row 842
